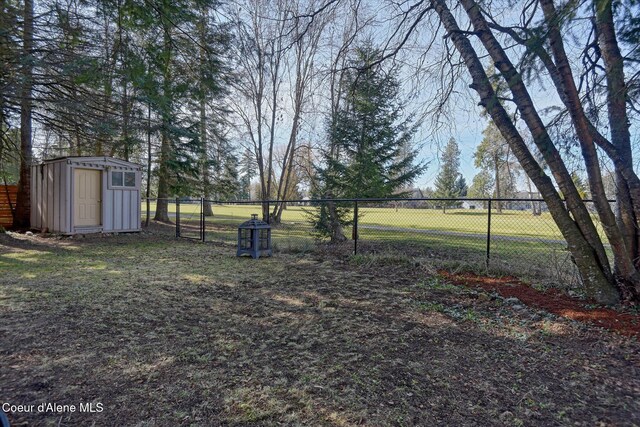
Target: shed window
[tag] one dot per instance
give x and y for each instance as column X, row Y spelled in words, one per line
column 129, row 179
column 123, row 179
column 116, row 179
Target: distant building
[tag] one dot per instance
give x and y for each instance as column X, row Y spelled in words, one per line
column 472, row 204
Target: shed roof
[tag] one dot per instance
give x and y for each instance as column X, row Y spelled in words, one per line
column 94, row 159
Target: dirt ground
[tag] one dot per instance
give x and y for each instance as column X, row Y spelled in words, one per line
column 163, row 332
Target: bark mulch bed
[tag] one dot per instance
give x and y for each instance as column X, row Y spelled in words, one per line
column 553, row 301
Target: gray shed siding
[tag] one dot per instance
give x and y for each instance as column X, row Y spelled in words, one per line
column 52, row 196
column 117, row 203
column 49, row 197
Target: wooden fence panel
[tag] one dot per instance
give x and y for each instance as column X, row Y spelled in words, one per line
column 8, row 196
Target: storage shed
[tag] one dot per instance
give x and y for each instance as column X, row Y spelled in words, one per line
column 72, row 195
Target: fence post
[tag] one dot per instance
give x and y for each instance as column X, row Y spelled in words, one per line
column 268, row 213
column 146, row 221
column 202, row 224
column 355, row 228
column 177, row 217
column 489, row 233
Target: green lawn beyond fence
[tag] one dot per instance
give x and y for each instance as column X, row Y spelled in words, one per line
column 519, row 241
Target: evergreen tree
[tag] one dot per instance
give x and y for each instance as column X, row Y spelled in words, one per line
column 170, row 32
column 9, row 102
column 208, row 94
column 461, row 187
column 225, row 181
column 246, row 171
column 21, row 217
column 370, row 151
column 450, row 184
column 374, row 140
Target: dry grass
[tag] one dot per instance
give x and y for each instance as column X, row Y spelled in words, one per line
column 166, row 332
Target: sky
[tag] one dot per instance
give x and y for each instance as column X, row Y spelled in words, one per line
column 467, row 131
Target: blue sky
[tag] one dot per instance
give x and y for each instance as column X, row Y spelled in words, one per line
column 468, row 134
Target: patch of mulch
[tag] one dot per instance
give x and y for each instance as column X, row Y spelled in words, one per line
column 552, row 301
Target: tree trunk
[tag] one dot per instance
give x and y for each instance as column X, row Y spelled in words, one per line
column 162, row 205
column 147, row 219
column 204, row 142
column 275, row 68
column 337, row 233
column 304, row 69
column 125, row 120
column 546, row 146
column 206, row 181
column 628, row 275
column 287, row 169
column 208, row 208
column 617, row 96
column 563, row 80
column 533, row 204
column 596, row 282
column 122, row 50
column 539, row 132
column 496, row 164
column 23, row 201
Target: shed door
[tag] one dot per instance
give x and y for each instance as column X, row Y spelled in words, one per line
column 86, row 198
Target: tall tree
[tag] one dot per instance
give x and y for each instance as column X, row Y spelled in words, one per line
column 373, row 138
column 178, row 82
column 331, row 217
column 23, row 201
column 306, row 42
column 543, row 30
column 375, row 142
column 449, row 183
column 10, row 49
column 246, row 171
column 261, row 49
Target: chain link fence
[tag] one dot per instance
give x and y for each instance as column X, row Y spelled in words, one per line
column 512, row 236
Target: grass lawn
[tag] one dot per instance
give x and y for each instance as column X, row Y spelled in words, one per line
column 509, row 223
column 521, row 243
column 165, row 332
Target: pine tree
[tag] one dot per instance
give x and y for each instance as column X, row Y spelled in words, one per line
column 374, row 140
column 9, row 82
column 177, row 85
column 461, row 187
column 246, row 171
column 225, row 181
column 23, row 202
column 371, row 153
column 450, row 184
